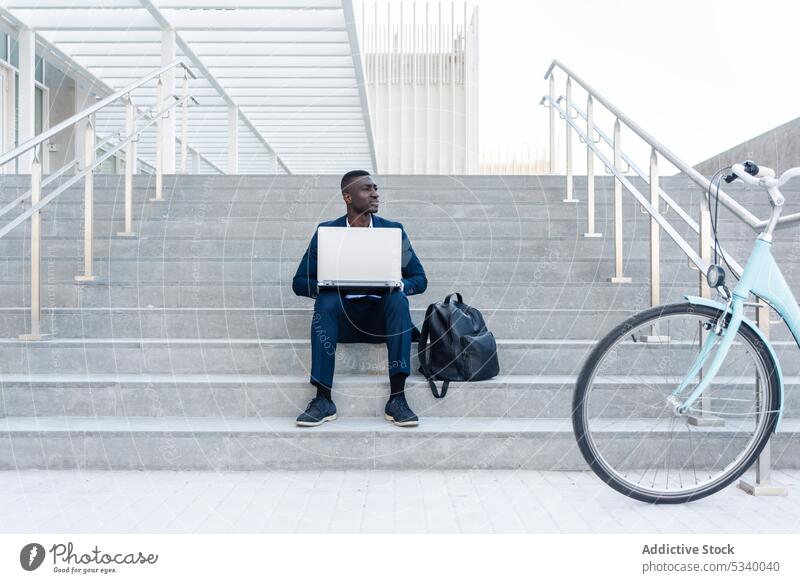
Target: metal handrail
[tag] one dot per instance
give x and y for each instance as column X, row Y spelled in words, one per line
column 89, row 111
column 619, row 175
column 693, row 174
column 80, row 175
column 51, row 178
column 734, row 265
column 90, row 161
column 657, row 221
column 58, row 173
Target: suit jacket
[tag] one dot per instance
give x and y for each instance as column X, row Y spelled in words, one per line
column 413, row 275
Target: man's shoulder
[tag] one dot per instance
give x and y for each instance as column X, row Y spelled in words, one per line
column 377, row 221
column 384, row 222
column 333, row 222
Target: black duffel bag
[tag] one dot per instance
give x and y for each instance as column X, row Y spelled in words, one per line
column 455, row 345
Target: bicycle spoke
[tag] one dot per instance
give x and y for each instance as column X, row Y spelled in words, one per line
column 691, row 450
column 630, row 425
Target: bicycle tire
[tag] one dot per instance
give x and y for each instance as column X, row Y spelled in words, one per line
column 647, row 317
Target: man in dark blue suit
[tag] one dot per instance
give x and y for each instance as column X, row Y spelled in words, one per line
column 374, row 316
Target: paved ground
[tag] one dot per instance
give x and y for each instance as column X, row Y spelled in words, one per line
column 367, row 501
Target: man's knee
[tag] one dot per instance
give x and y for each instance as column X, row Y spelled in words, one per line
column 396, row 300
column 328, row 302
column 396, row 304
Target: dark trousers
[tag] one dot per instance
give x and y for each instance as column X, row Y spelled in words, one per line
column 338, row 319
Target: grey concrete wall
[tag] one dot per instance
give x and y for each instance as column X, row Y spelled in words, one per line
column 779, row 148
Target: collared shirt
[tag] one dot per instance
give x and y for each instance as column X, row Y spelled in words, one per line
column 348, row 222
column 351, row 296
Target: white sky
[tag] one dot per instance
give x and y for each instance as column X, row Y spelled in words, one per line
column 700, row 76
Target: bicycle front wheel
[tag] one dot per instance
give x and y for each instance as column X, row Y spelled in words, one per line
column 625, row 422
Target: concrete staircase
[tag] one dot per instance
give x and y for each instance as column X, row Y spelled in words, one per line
column 193, row 352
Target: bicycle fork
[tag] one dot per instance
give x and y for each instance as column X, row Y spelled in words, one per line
column 716, row 336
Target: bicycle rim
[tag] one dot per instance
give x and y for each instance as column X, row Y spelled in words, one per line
column 632, row 436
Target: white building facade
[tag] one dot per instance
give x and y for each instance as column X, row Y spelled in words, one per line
column 421, row 68
column 275, row 87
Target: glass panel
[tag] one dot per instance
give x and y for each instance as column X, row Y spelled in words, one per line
column 39, row 74
column 16, row 117
column 3, row 46
column 16, row 109
column 3, row 105
column 39, row 110
column 14, row 60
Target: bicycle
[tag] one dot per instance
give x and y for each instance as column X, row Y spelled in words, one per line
column 646, row 416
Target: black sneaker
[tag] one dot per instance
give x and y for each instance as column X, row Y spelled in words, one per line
column 398, row 412
column 319, row 411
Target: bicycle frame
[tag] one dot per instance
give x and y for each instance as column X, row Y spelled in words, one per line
column 763, row 278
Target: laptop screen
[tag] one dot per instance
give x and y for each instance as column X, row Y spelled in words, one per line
column 359, row 257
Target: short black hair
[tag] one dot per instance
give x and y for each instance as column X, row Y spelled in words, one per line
column 351, row 176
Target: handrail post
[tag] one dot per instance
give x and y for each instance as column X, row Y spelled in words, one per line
column 761, row 486
column 703, row 418
column 705, row 245
column 135, row 152
column 552, row 124
column 655, row 233
column 619, row 276
column 195, row 162
column 36, row 250
column 130, row 162
column 665, row 152
column 71, row 121
column 185, row 124
column 88, row 198
column 590, row 202
column 655, row 250
column 568, row 140
column 159, row 145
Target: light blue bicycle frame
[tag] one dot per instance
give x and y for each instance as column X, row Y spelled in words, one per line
column 763, row 278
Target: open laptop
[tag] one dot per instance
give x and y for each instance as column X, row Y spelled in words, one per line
column 359, row 258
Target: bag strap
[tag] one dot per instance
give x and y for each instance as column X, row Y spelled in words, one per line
column 447, row 299
column 445, row 384
column 421, row 345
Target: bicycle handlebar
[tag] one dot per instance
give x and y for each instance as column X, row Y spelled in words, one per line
column 750, row 173
column 747, row 167
column 788, row 175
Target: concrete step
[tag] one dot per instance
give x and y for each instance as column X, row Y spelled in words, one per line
column 234, row 396
column 309, row 188
column 323, row 205
column 276, row 443
column 463, row 273
column 429, row 245
column 219, row 386
column 253, row 395
column 291, row 323
column 248, row 294
column 551, row 191
column 487, row 188
column 400, row 210
column 238, row 356
column 295, row 323
column 293, row 201
column 255, row 227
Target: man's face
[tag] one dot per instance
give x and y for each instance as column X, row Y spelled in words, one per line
column 362, row 195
